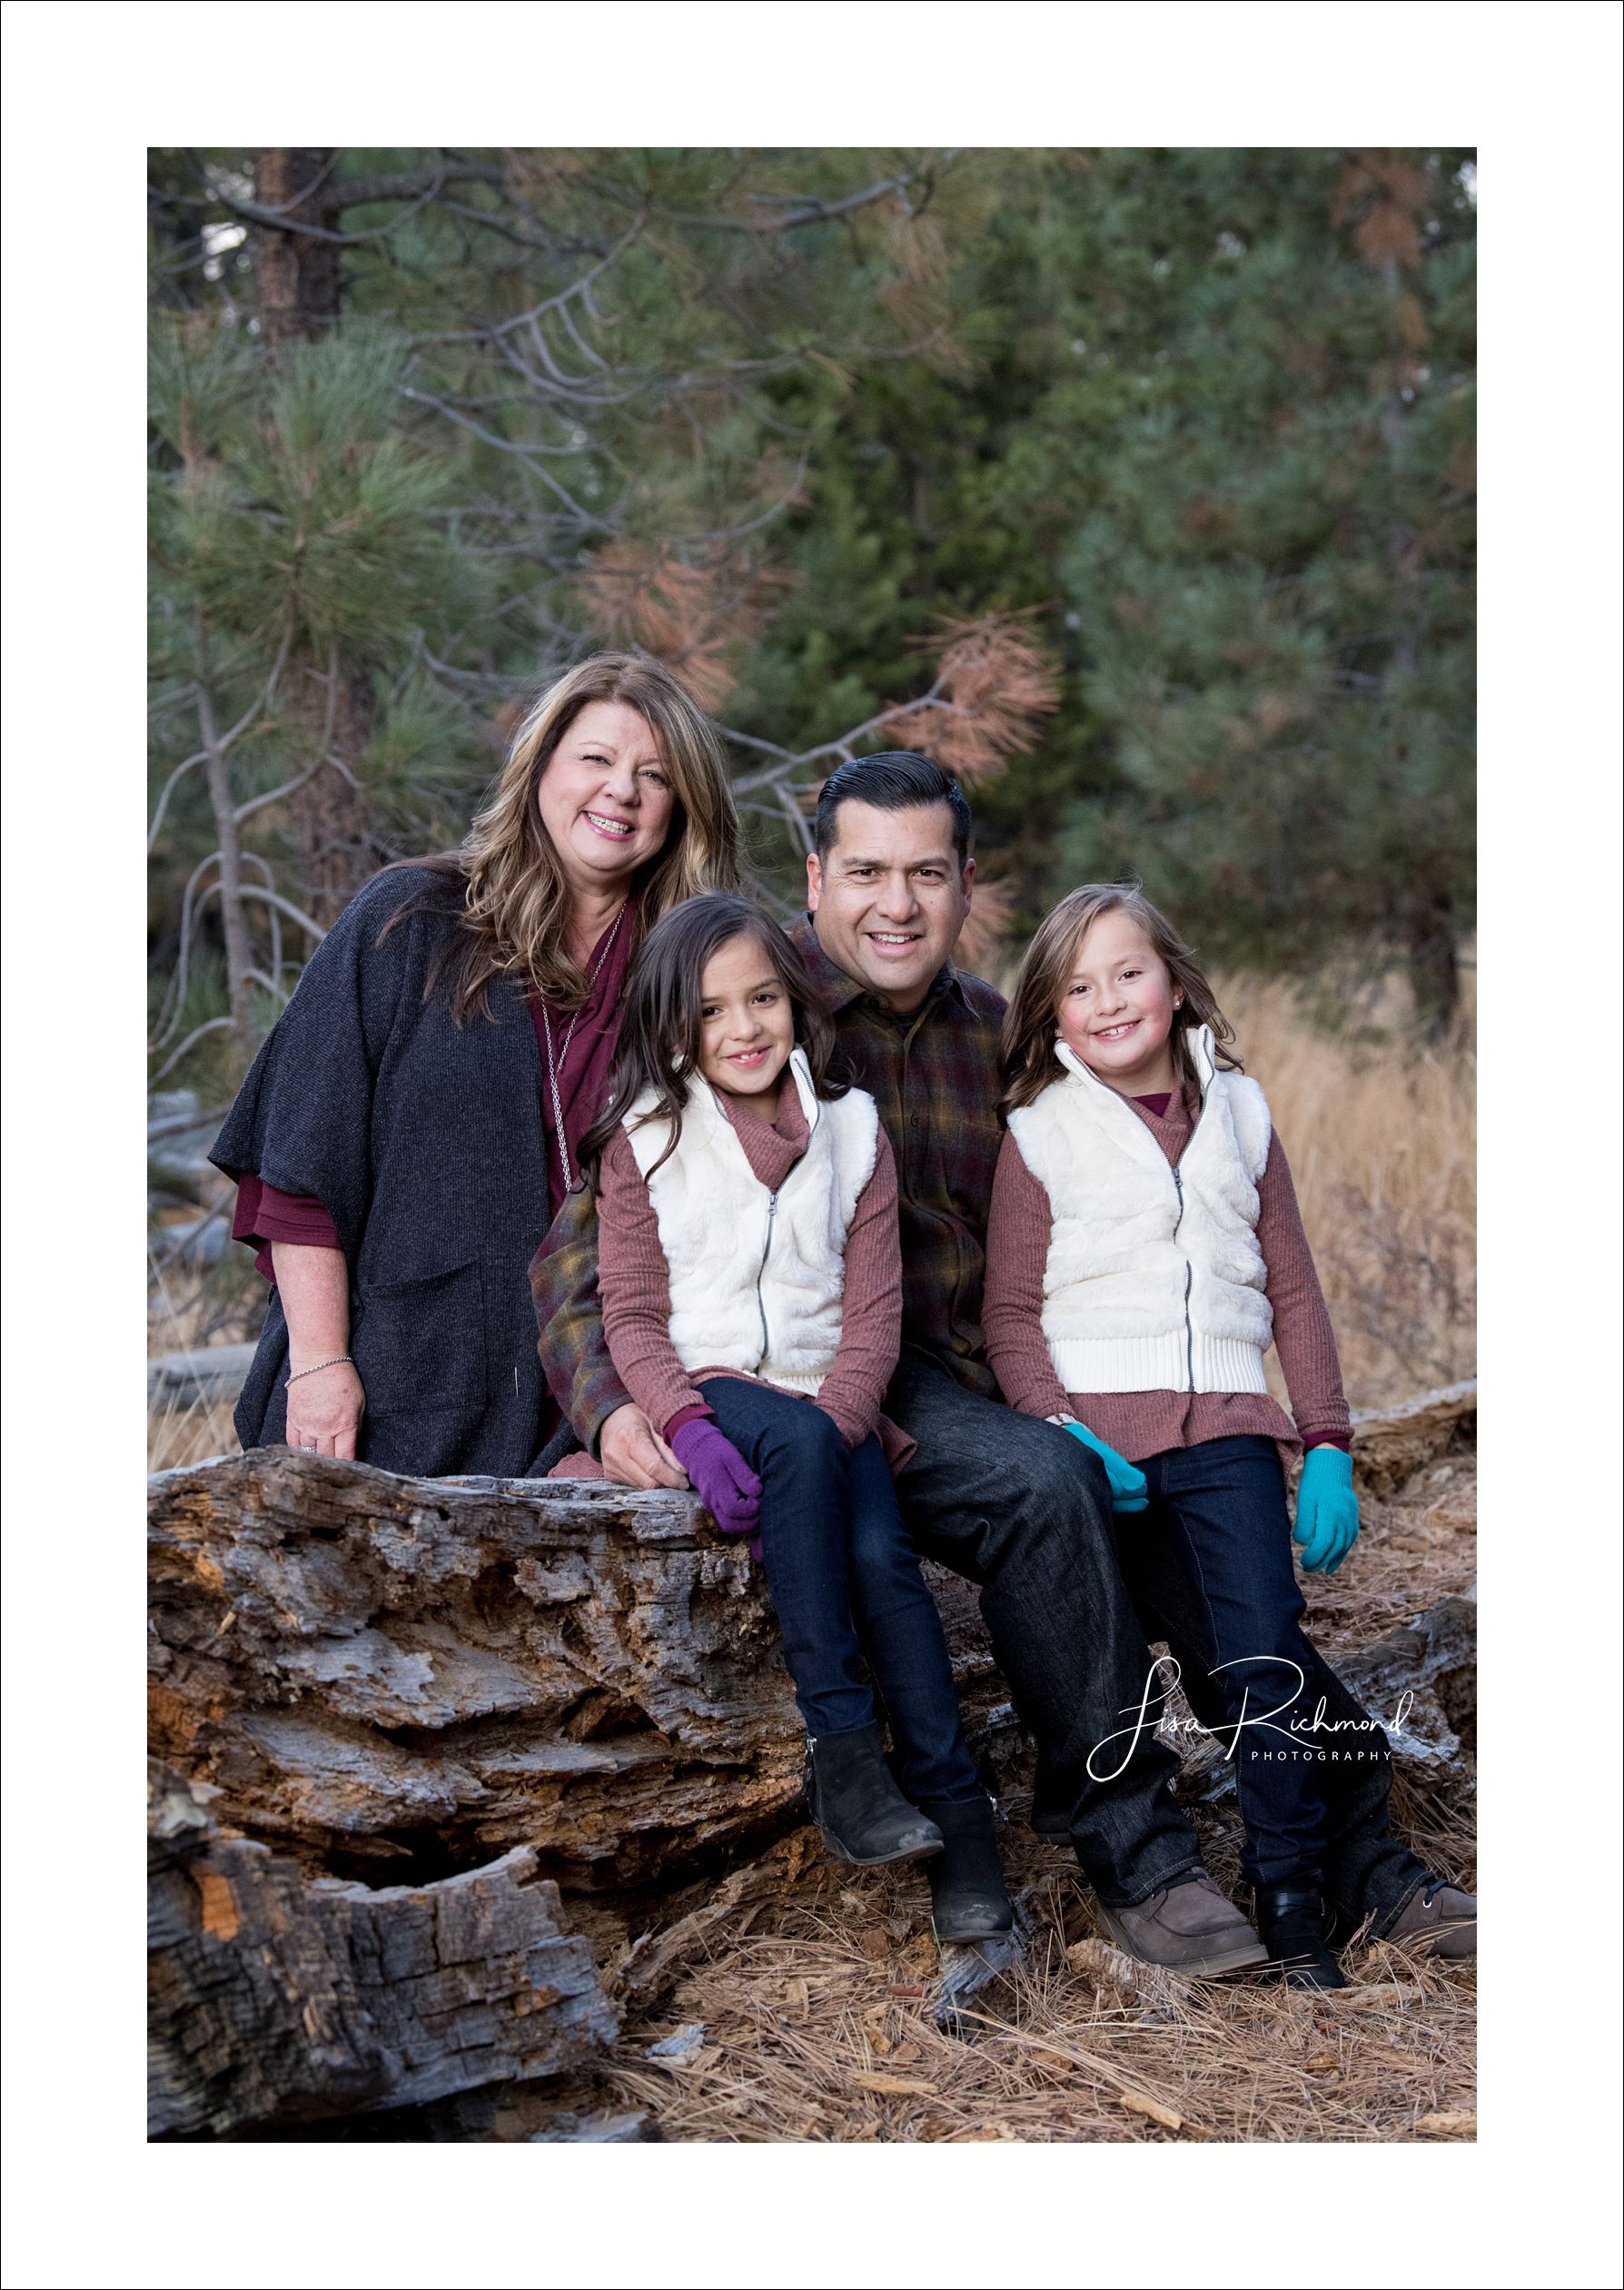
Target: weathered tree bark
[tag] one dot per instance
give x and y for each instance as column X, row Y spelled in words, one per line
column 273, row 1999
column 390, row 1675
column 1391, row 1444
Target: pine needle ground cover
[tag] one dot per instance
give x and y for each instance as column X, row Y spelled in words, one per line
column 815, row 2005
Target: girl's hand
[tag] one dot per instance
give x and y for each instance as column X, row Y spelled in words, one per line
column 1130, row 1491
column 1327, row 1510
column 324, row 1409
column 721, row 1478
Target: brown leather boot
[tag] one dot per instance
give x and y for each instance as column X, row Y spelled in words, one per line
column 1440, row 1919
column 1189, row 1927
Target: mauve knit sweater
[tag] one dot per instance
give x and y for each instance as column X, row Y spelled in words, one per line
column 1142, row 1423
column 634, row 1284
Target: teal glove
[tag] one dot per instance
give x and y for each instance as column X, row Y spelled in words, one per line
column 1129, row 1490
column 1327, row 1510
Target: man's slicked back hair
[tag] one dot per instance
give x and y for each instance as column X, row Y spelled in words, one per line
column 895, row 781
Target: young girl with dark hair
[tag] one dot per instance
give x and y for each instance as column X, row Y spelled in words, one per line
column 750, row 1275
column 1144, row 1250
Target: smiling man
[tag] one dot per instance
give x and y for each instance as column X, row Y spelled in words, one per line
column 1003, row 1499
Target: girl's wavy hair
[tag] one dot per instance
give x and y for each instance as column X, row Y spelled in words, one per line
column 1032, row 1020
column 515, row 901
column 661, row 1027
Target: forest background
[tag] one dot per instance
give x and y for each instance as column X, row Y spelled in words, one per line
column 1137, row 485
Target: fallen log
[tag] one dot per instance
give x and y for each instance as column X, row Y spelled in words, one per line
column 402, row 1678
column 1391, row 1444
column 273, row 1999
column 193, row 1379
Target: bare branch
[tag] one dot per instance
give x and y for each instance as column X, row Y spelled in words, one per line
column 285, row 906
column 177, row 984
column 274, row 794
column 209, row 1025
column 800, row 826
column 807, row 210
column 841, row 747
column 281, row 218
column 504, row 445
column 176, row 775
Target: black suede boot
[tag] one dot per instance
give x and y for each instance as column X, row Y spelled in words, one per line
column 861, row 1814
column 1290, row 1922
column 968, row 1900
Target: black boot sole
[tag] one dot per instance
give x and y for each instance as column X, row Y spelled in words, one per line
column 971, row 1933
column 837, row 1851
column 1301, row 1971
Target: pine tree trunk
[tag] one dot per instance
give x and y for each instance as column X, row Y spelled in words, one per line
column 300, row 299
column 336, row 852
column 298, row 274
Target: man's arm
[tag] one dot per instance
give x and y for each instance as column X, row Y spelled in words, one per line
column 575, row 1358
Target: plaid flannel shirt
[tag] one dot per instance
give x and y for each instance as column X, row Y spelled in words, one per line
column 933, row 1075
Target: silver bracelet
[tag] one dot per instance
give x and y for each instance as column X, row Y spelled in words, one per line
column 343, row 1361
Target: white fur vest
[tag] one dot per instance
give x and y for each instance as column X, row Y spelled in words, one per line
column 758, row 1277
column 1154, row 1279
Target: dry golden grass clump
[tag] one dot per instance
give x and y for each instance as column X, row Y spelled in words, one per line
column 1382, row 1138
column 178, row 1436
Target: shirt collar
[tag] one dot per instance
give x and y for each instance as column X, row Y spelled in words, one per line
column 839, row 989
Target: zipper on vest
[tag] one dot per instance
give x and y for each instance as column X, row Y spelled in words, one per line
column 772, row 1211
column 1178, row 1186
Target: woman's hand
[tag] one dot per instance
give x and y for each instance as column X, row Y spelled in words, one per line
column 324, row 1409
column 1327, row 1510
column 632, row 1452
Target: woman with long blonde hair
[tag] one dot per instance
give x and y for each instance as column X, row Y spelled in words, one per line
column 412, row 1121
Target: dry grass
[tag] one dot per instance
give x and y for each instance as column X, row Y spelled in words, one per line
column 1382, row 1137
column 176, row 1436
column 188, row 1315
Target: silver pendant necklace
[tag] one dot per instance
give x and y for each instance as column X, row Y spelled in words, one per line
column 555, row 1066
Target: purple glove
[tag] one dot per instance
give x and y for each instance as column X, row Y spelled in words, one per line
column 721, row 1478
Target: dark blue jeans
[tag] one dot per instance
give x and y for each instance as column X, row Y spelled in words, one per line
column 1221, row 1506
column 846, row 1582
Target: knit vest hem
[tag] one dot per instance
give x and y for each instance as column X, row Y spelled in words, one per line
column 1177, row 1362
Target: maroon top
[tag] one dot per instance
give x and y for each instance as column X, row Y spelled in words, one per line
column 585, row 1058
column 1142, row 1423
column 263, row 1214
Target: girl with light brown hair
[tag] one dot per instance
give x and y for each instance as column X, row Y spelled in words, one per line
column 1145, row 1249
column 412, row 1121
